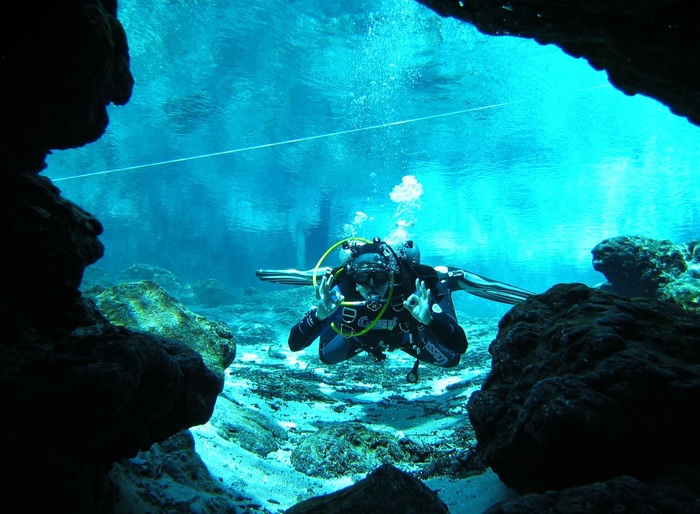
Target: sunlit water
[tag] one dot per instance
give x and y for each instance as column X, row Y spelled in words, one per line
column 257, row 137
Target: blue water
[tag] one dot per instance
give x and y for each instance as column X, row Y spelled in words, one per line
column 259, row 135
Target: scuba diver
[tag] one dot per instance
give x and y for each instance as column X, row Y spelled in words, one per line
column 381, row 299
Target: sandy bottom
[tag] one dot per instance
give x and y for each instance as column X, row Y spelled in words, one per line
column 300, row 394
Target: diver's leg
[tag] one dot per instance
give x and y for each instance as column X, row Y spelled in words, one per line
column 455, row 343
column 434, row 354
column 446, row 303
column 430, row 352
column 462, row 280
column 335, row 348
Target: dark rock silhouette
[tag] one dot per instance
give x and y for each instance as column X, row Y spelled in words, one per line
column 637, row 266
column 79, row 393
column 387, row 489
column 645, row 47
column 586, row 386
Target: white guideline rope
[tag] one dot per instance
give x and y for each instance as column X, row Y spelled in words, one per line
column 309, row 138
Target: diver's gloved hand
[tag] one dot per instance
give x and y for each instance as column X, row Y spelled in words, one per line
column 418, row 304
column 327, row 299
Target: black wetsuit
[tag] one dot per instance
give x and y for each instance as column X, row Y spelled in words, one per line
column 441, row 343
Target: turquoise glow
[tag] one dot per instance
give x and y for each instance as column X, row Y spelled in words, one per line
column 546, row 161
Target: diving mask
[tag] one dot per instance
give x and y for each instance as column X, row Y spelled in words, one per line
column 371, row 276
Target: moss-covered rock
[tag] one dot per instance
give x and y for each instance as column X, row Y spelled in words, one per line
column 248, row 428
column 163, row 277
column 212, row 293
column 343, row 449
column 252, row 332
column 637, row 266
column 146, row 306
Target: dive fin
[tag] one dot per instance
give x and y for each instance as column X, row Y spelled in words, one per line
column 458, row 279
column 483, row 287
column 290, row 276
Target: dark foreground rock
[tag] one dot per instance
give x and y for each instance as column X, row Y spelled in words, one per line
column 387, row 490
column 621, row 495
column 169, row 473
column 638, row 266
column 73, row 406
column 646, row 47
column 78, row 394
column 587, row 386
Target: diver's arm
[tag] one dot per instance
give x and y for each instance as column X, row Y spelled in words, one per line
column 442, row 325
column 418, row 303
column 306, row 331
column 448, row 332
column 328, row 299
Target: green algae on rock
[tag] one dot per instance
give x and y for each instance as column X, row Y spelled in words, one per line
column 146, row 306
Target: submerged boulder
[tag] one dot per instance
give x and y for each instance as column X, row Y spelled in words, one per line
column 212, row 293
column 169, row 473
column 387, row 490
column 248, row 428
column 161, row 276
column 73, row 406
column 637, row 266
column 586, row 386
column 144, row 305
column 345, row 449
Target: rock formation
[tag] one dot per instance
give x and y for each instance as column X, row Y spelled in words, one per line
column 647, row 47
column 588, row 387
column 636, row 266
column 387, row 490
column 77, row 393
column 583, row 377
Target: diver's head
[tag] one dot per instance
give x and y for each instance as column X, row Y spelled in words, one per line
column 406, row 251
column 372, row 275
